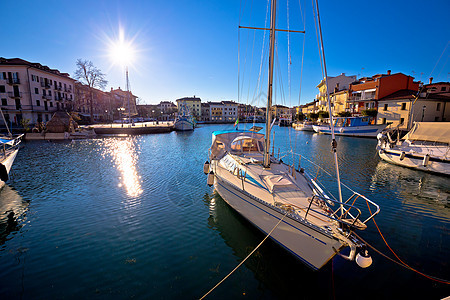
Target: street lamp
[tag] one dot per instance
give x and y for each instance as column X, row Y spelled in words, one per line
column 423, row 112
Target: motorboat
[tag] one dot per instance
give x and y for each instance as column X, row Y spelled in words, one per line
column 304, row 126
column 352, row 126
column 425, row 147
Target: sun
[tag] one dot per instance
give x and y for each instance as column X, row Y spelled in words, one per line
column 121, row 51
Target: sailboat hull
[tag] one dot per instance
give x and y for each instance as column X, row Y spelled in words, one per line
column 312, row 247
column 7, row 161
column 184, row 125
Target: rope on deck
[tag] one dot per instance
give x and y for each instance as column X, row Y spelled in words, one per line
column 240, row 264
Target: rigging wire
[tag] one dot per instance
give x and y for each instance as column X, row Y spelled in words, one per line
column 333, row 143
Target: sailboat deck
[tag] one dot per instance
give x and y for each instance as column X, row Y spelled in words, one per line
column 290, row 190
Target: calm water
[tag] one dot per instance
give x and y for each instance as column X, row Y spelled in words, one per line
column 132, row 217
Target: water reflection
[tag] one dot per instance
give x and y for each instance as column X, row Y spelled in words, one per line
column 12, row 212
column 124, row 154
column 269, row 264
column 419, row 191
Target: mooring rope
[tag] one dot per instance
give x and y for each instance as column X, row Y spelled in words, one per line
column 240, row 264
column 399, row 262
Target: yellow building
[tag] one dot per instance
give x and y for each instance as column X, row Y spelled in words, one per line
column 337, row 85
column 194, row 105
column 279, row 110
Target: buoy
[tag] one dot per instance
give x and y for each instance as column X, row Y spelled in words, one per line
column 363, row 259
column 426, row 159
column 210, row 179
column 3, row 173
column 402, row 155
column 206, row 167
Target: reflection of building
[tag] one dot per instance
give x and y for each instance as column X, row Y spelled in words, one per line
column 404, row 107
column 32, row 91
column 193, row 104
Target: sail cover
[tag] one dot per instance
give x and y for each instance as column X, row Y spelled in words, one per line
column 430, row 131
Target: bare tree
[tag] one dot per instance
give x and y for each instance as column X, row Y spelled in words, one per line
column 88, row 74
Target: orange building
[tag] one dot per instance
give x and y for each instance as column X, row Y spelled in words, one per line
column 368, row 90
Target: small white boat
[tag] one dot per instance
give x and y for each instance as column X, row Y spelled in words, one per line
column 352, row 126
column 304, row 126
column 8, row 153
column 184, row 121
column 425, row 147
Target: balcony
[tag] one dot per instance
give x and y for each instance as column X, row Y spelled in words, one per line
column 59, row 98
column 14, row 95
column 13, row 81
column 58, row 88
column 48, row 97
column 45, row 85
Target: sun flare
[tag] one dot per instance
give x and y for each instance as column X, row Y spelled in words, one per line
column 121, row 51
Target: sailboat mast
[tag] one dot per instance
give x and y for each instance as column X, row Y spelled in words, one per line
column 128, row 94
column 269, row 92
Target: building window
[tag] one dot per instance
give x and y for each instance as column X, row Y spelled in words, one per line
column 36, row 91
column 403, row 106
column 4, row 102
column 2, row 89
column 402, row 121
column 51, row 104
column 3, row 75
column 443, row 89
column 438, row 107
column 385, row 107
column 38, row 103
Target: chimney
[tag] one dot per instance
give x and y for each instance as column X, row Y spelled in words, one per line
column 389, row 72
column 431, row 80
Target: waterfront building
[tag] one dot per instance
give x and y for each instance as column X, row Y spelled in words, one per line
column 279, row 110
column 206, row 112
column 404, row 107
column 230, row 111
column 311, row 107
column 167, row 107
column 365, row 93
column 104, row 109
column 246, row 111
column 216, row 109
column 126, row 101
column 193, row 104
column 335, row 85
column 32, row 92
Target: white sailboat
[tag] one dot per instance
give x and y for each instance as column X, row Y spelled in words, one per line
column 426, row 147
column 266, row 192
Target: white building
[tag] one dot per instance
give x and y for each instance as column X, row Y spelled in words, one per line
column 33, row 91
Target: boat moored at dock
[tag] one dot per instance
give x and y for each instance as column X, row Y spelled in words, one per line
column 8, row 153
column 352, row 126
column 425, row 147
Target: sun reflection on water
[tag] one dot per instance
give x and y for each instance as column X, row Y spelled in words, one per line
column 124, row 154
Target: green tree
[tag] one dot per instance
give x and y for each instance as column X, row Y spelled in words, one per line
column 372, row 112
column 313, row 116
column 323, row 114
column 344, row 114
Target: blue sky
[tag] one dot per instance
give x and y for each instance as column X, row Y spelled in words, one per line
column 188, row 48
